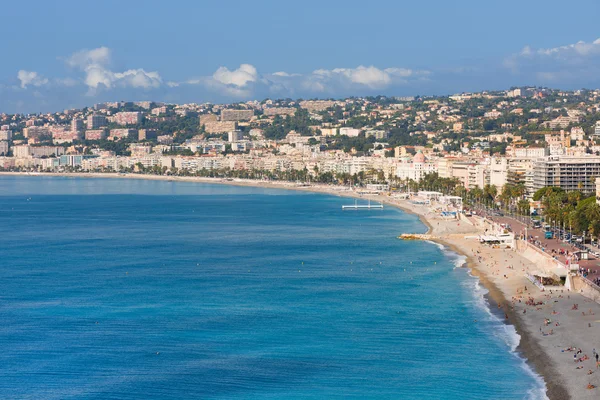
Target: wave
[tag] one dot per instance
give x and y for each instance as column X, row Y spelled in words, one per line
column 457, row 259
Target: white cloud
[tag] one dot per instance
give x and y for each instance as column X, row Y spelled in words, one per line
column 95, row 63
column 85, row 58
column 284, row 74
column 31, row 78
column 370, row 77
column 138, row 78
column 247, row 82
column 579, row 49
column 240, row 77
column 554, row 57
column 237, row 83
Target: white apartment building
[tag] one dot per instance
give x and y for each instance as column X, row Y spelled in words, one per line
column 5, row 134
column 329, row 131
column 350, row 132
column 567, row 172
column 498, row 171
column 234, row 136
column 3, row 148
column 530, row 152
column 478, row 176
column 415, row 168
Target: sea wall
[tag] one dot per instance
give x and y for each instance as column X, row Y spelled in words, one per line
column 542, row 260
column 586, row 288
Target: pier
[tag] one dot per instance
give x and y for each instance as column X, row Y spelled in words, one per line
column 416, row 236
column 368, row 206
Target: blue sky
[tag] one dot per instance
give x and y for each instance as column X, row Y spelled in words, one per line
column 64, row 54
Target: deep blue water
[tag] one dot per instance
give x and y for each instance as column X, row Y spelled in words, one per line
column 131, row 289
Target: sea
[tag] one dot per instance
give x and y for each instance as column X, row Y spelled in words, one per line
column 142, row 289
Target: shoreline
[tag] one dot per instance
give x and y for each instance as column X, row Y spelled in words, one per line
column 528, row 349
column 531, row 347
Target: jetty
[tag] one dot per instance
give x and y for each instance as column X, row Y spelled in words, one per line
column 416, row 236
column 357, row 206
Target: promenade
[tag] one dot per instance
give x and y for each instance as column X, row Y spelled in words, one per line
column 553, row 247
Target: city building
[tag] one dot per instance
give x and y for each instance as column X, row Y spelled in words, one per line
column 6, row 134
column 147, row 134
column 236, row 115
column 128, row 118
column 273, row 111
column 220, row 126
column 77, row 125
column 498, row 171
column 597, row 129
column 530, row 152
column 415, row 168
column 66, row 136
column 140, row 149
column 159, row 110
column 205, row 118
column 561, row 122
column 317, row 105
column 379, row 134
column 164, row 139
column 26, row 151
column 36, row 132
column 567, row 172
column 350, row 132
column 96, row 121
column 234, row 136
column 95, row 134
column 122, row 133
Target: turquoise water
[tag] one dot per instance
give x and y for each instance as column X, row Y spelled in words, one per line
column 132, row 289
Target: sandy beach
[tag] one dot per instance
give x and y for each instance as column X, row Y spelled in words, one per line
column 551, row 331
column 551, row 327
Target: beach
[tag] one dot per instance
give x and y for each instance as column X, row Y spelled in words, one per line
column 551, row 332
column 544, row 344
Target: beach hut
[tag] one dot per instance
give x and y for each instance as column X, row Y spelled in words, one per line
column 453, row 201
column 430, row 196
